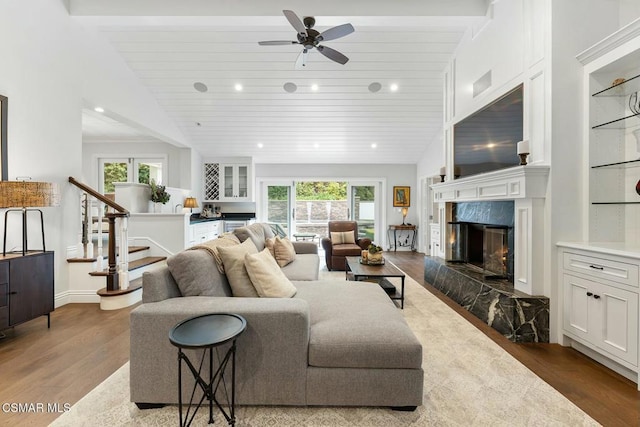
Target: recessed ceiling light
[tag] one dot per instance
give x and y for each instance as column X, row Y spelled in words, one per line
column 260, row 145
column 314, row 87
column 290, row 87
column 316, row 145
column 99, row 109
column 491, row 145
column 238, row 87
column 374, row 87
column 393, row 87
column 200, row 87
column 374, row 145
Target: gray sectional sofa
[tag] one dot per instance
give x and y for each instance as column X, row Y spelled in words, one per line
column 334, row 343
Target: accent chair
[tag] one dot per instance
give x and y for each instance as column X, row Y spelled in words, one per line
column 342, row 241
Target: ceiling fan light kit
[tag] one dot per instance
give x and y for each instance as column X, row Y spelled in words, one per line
column 310, row 38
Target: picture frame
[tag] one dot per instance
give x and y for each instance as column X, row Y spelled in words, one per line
column 4, row 108
column 401, row 196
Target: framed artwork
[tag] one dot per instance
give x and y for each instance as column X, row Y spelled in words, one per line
column 401, row 196
column 4, row 105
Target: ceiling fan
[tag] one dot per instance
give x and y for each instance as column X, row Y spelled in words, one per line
column 310, row 38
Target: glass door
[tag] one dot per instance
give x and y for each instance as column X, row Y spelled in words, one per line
column 112, row 170
column 279, row 207
column 364, row 208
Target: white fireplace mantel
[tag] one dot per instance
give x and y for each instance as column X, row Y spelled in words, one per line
column 519, row 182
column 527, row 187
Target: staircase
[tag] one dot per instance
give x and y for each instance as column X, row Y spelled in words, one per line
column 126, row 263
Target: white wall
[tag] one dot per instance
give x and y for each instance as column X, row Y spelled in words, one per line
column 50, row 66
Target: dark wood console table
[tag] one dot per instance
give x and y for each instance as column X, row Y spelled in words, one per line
column 26, row 287
column 401, row 227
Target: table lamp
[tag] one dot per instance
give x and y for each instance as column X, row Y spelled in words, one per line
column 191, row 202
column 405, row 211
column 25, row 195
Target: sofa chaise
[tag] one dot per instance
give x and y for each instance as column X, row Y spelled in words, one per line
column 335, row 342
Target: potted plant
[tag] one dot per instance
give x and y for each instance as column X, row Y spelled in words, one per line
column 158, row 195
column 375, row 254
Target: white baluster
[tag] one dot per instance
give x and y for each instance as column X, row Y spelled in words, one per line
column 89, row 213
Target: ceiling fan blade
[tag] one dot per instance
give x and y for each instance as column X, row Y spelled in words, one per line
column 301, row 62
column 336, row 32
column 333, row 54
column 295, row 22
column 276, row 42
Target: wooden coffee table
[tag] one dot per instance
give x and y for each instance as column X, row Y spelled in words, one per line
column 364, row 271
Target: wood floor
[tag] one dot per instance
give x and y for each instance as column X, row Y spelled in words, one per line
column 85, row 345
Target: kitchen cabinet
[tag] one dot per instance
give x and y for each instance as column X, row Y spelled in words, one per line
column 200, row 232
column 26, row 288
column 228, row 181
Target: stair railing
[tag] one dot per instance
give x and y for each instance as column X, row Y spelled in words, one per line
column 117, row 272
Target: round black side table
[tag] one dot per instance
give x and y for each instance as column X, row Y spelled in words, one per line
column 207, row 332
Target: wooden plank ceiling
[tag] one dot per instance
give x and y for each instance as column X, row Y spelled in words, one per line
column 342, row 121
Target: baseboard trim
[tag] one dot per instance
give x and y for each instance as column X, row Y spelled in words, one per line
column 76, row 297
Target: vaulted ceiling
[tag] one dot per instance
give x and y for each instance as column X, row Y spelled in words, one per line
column 171, row 46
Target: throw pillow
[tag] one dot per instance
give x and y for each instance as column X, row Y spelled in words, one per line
column 269, row 245
column 267, row 277
column 343, row 237
column 195, row 274
column 284, row 251
column 233, row 260
column 255, row 232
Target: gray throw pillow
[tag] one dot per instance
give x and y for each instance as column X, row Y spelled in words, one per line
column 196, row 274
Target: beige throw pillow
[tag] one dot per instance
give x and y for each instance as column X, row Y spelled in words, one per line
column 342, row 237
column 267, row 277
column 233, row 260
column 284, row 252
column 269, row 245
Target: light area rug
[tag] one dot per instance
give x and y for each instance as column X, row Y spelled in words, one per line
column 468, row 381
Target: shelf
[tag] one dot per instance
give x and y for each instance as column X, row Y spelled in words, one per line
column 623, row 89
column 616, row 203
column 618, row 164
column 616, row 124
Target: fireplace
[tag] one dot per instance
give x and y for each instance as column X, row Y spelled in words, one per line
column 481, row 235
column 484, row 246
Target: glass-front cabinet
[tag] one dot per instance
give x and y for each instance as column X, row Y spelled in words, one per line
column 236, row 181
column 614, row 151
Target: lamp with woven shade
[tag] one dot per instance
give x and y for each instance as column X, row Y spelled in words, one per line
column 26, row 195
column 190, row 202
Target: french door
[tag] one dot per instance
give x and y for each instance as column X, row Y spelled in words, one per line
column 292, row 209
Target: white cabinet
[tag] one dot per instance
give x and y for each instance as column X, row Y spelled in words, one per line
column 235, row 182
column 435, row 243
column 228, row 181
column 203, row 231
column 600, row 302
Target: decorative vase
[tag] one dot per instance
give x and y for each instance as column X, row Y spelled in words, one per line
column 157, row 207
column 375, row 258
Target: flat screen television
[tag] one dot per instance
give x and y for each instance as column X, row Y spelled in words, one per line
column 487, row 140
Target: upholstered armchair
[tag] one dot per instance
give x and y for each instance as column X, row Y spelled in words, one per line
column 342, row 241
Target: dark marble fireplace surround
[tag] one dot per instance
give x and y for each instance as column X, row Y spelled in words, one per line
column 516, row 315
